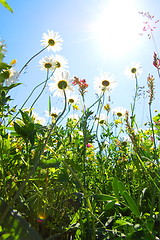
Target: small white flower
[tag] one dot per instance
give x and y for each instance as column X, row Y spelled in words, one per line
column 133, row 71
column 104, row 83
column 52, row 40
column 73, row 117
column 72, row 98
column 47, row 62
column 119, row 111
column 60, row 63
column 38, row 119
column 101, row 119
column 12, row 76
column 60, row 83
column 54, row 112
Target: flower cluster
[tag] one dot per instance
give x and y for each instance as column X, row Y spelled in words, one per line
column 150, row 82
column 149, row 25
column 81, row 83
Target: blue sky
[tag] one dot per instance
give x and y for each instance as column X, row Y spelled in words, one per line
column 75, row 21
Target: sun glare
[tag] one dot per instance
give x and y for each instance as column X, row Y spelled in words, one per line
column 117, row 27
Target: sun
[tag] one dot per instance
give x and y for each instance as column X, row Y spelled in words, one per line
column 117, row 27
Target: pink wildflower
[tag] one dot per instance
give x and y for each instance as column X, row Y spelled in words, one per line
column 150, row 24
column 89, row 145
column 81, row 83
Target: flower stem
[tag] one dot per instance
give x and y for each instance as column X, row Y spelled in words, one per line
column 29, row 98
column 45, row 83
column 25, row 65
column 134, row 102
column 153, row 135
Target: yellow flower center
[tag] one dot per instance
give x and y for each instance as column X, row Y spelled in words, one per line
column 71, row 100
column 47, row 65
column 54, row 115
column 119, row 114
column 62, row 84
column 133, row 70
column 107, row 107
column 57, row 64
column 51, row 42
column 105, row 83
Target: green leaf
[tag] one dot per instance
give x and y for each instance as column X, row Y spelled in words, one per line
column 52, row 163
column 16, row 227
column 10, row 87
column 131, row 204
column 121, row 187
column 26, row 118
column 123, row 222
column 110, row 205
column 49, row 105
column 115, row 187
column 104, row 197
column 6, row 5
column 4, row 66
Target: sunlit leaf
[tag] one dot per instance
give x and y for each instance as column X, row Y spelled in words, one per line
column 6, row 5
column 104, row 197
column 52, row 163
column 121, row 187
column 131, row 203
column 4, row 66
column 115, row 187
column 123, row 222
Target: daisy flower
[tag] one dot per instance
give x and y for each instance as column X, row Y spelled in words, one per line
column 60, row 63
column 133, row 71
column 60, row 83
column 119, row 111
column 11, row 76
column 73, row 117
column 52, row 40
column 72, row 99
column 47, row 63
column 54, row 112
column 38, row 119
column 102, row 118
column 104, row 83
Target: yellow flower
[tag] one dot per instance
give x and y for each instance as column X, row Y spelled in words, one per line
column 75, row 106
column 107, row 107
column 117, row 121
column 14, row 61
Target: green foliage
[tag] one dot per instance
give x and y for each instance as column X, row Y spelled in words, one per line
column 77, row 179
column 15, row 227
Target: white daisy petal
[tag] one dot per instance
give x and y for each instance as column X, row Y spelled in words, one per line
column 119, row 111
column 60, row 63
column 47, row 63
column 104, row 83
column 60, row 83
column 13, row 77
column 133, row 71
column 52, row 40
column 54, row 112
